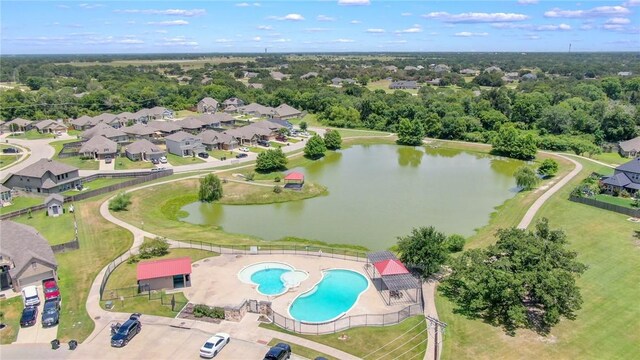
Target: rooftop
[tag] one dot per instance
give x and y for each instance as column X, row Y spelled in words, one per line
column 163, row 268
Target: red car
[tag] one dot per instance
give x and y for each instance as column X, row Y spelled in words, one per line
column 51, row 290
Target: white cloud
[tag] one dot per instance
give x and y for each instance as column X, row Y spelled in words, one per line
column 257, row 38
column 289, row 17
column 618, row 21
column 243, row 4
column 594, row 12
column 533, row 37
column 549, row 27
column 90, row 6
column 527, row 2
column 313, row 30
column 343, row 40
column 476, row 17
column 161, row 31
column 265, row 27
column 171, row 12
column 256, row 4
column 632, row 3
column 354, row 2
column 376, row 31
column 470, row 34
column 169, row 23
column 396, row 42
column 325, row 18
column 406, row 14
column 561, row 27
column 355, row 22
column 412, row 30
column 130, row 41
column 62, row 6
column 180, row 41
column 223, row 40
column 281, row 40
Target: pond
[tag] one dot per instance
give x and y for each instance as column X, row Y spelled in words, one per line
column 377, row 193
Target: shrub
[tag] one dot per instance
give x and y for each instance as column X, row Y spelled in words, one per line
column 250, row 176
column 120, row 202
column 277, row 189
column 455, row 243
column 277, row 179
column 154, row 248
column 548, row 168
column 207, row 311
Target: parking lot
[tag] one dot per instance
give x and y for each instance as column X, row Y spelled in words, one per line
column 36, row 334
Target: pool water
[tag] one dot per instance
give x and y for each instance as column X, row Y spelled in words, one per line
column 333, row 296
column 269, row 282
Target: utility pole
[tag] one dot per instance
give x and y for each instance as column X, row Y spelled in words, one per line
column 437, row 325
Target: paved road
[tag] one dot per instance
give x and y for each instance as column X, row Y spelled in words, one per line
column 38, row 149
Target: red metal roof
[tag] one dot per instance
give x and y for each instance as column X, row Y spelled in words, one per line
column 294, row 176
column 162, row 268
column 390, row 267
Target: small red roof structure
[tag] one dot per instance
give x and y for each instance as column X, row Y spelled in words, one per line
column 163, row 268
column 294, row 176
column 390, row 267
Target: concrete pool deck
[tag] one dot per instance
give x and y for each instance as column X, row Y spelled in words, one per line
column 214, row 282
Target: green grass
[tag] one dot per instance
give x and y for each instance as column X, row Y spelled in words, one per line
column 22, row 202
column 176, row 160
column 611, row 158
column 355, row 133
column 221, row 153
column 615, row 200
column 12, row 310
column 607, row 325
column 256, row 149
column 310, row 119
column 142, row 304
column 57, row 230
column 184, row 113
column 32, row 135
column 6, row 160
column 76, row 161
column 301, row 350
column 376, row 342
column 124, row 163
column 96, row 184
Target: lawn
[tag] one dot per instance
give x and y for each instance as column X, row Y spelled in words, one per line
column 22, row 202
column 221, row 153
column 124, row 163
column 6, row 160
column 611, row 158
column 96, row 184
column 310, row 119
column 142, row 304
column 12, row 311
column 176, row 160
column 407, row 340
column 615, row 200
column 257, row 149
column 184, row 113
column 607, row 325
column 76, row 161
column 57, row 230
column 355, row 133
column 31, row 135
column 299, row 350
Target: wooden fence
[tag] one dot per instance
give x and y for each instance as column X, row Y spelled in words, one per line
column 71, row 245
column 606, row 206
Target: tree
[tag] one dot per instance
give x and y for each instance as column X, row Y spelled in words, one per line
column 210, row 188
column 548, row 168
column 154, row 248
column 513, row 143
column 455, row 243
column 120, row 202
column 303, row 125
column 410, row 133
column 315, row 147
column 332, row 139
column 271, row 160
column 425, row 249
column 526, row 178
column 526, row 280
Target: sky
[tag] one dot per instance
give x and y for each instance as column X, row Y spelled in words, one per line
column 96, row 27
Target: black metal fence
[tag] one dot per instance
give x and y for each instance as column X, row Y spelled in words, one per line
column 606, row 206
column 346, row 322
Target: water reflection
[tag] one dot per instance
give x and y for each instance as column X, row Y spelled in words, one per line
column 410, row 156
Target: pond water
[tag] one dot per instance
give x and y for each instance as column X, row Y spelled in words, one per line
column 377, row 193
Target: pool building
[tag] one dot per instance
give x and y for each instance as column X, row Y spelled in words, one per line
column 164, row 274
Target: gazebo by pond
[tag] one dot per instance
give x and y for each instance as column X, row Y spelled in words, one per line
column 294, row 181
column 392, row 279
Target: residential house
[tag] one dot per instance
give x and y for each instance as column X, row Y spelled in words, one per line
column 184, row 144
column 410, row 68
column 339, row 81
column 277, row 75
column 26, row 254
column 625, row 177
column 391, row 68
column 256, row 109
column 191, row 124
column 434, row 82
column 625, row 73
column 127, row 118
column 213, row 140
column 82, row 123
column 99, row 147
column 5, row 195
column 44, row 176
column 231, row 109
column 247, row 135
column 629, row 148
column 207, row 105
column 256, row 86
column 19, row 124
column 164, row 274
column 50, row 126
column 144, row 150
column 108, row 119
column 211, row 121
column 285, row 112
column 403, row 85
column 492, row 69
column 511, row 76
column 233, row 101
column 440, row 68
column 283, row 123
column 309, row 75
column 160, row 113
column 107, row 131
column 528, row 77
column 469, row 72
column 250, row 75
column 164, row 128
column 218, row 120
column 54, row 204
column 139, row 131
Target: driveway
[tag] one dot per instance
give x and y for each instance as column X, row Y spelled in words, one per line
column 36, row 334
column 109, row 166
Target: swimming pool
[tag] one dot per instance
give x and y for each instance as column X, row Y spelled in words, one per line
column 272, row 278
column 333, row 296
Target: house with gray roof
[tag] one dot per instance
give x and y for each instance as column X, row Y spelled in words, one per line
column 410, row 68
column 184, row 144
column 99, row 147
column 231, row 109
column 139, row 131
column 256, row 86
column 277, row 75
column 54, row 204
column 207, row 105
column 248, row 135
column 285, row 111
column 82, row 123
column 144, row 150
column 164, row 128
column 221, row 119
column 18, row 124
column 127, row 118
column 625, row 73
column 469, row 72
column 191, row 124
column 6, row 197
column 233, row 101
column 309, row 75
column 108, row 119
column 528, row 77
column 440, row 68
column 27, row 255
column 250, row 74
column 44, row 176
column 212, row 140
column 629, row 148
column 256, row 109
column 211, row 121
column 403, row 85
column 391, row 68
column 492, row 69
column 625, row 177
column 107, row 131
column 50, row 127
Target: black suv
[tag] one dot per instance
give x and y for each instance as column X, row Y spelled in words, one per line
column 264, row 143
column 279, row 352
column 125, row 332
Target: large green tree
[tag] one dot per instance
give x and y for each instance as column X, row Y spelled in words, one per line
column 210, row 188
column 315, row 147
column 410, row 132
column 271, row 160
column 526, row 280
column 425, row 249
column 513, row 143
column 332, row 139
column 548, row 168
column 526, row 178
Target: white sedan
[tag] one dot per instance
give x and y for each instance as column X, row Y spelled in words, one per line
column 213, row 346
column 245, row 149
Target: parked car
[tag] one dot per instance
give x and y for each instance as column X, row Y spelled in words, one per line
column 155, row 161
column 213, row 346
column 163, row 159
column 126, row 331
column 30, row 296
column 29, row 316
column 108, row 160
column 50, row 313
column 280, row 351
column 10, row 150
column 203, row 155
column 264, row 143
column 51, row 290
column 240, row 156
column 245, row 149
column 281, row 138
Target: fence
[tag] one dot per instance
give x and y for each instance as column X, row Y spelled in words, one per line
column 347, row 322
column 606, row 206
column 71, row 245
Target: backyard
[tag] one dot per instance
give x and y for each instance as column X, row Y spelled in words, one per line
column 21, row 202
column 77, row 161
column 57, row 230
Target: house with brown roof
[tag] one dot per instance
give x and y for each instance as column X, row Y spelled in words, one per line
column 26, row 254
column 247, row 135
column 213, row 140
column 630, row 147
column 108, row 119
column 18, row 124
column 107, row 131
column 277, row 75
column 285, row 112
column 82, row 123
column 139, row 131
column 256, row 109
column 99, row 147
column 50, row 127
column 233, row 101
column 208, row 105
column 184, row 144
column 44, row 176
column 144, row 150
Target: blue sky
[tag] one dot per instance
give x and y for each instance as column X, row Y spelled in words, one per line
column 68, row 27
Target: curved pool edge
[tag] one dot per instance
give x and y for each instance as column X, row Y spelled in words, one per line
column 257, row 286
column 315, row 288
